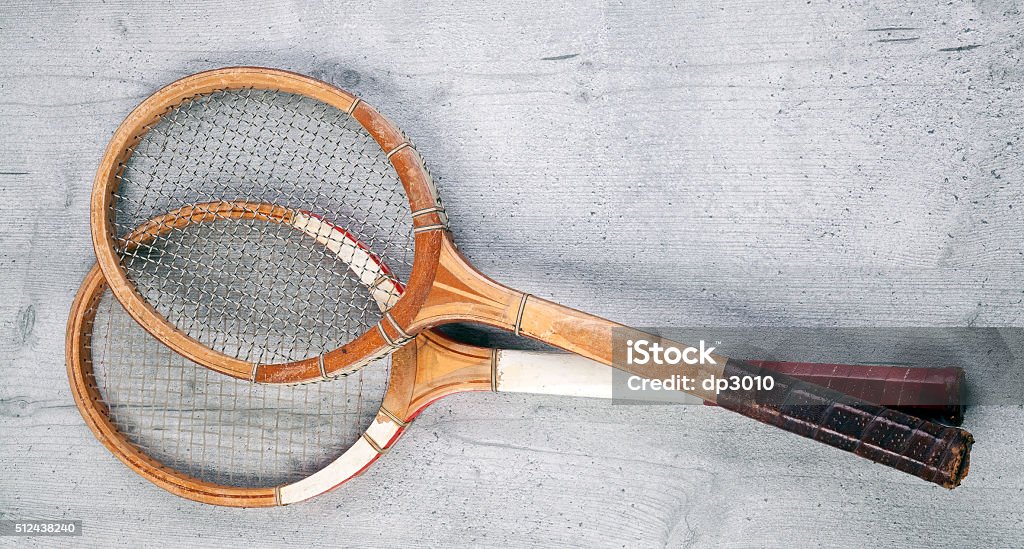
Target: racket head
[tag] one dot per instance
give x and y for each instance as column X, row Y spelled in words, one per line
column 170, row 154
column 213, row 438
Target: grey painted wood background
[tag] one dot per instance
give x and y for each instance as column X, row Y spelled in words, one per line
column 744, row 163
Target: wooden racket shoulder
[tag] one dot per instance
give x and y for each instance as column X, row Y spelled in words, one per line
column 434, row 366
column 458, row 292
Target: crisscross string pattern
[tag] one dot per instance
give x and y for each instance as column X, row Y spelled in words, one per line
column 214, row 427
column 257, row 290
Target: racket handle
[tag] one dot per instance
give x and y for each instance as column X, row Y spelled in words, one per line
column 937, row 393
column 933, row 452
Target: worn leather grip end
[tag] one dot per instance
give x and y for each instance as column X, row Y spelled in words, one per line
column 936, row 393
column 933, row 452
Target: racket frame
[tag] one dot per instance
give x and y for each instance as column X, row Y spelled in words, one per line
column 422, row 372
column 428, row 217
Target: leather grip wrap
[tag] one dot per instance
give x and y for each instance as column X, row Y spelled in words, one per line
column 933, row 452
column 938, row 393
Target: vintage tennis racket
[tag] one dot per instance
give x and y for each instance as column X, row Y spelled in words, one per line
column 250, row 296
column 221, row 440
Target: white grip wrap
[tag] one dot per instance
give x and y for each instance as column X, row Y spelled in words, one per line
column 563, row 374
column 545, row 373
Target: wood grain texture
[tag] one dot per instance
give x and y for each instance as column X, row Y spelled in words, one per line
column 852, row 164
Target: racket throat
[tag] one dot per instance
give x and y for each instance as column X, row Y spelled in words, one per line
column 461, row 293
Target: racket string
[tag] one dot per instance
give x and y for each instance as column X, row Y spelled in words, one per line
column 179, row 292
column 381, row 169
column 267, row 147
column 213, row 427
column 216, row 296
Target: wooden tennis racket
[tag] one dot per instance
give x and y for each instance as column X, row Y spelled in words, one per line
column 221, row 440
column 248, row 295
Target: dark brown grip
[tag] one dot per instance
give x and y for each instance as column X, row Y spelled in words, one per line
column 933, row 452
column 937, row 393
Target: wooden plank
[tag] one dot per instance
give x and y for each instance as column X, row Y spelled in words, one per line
column 849, row 164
